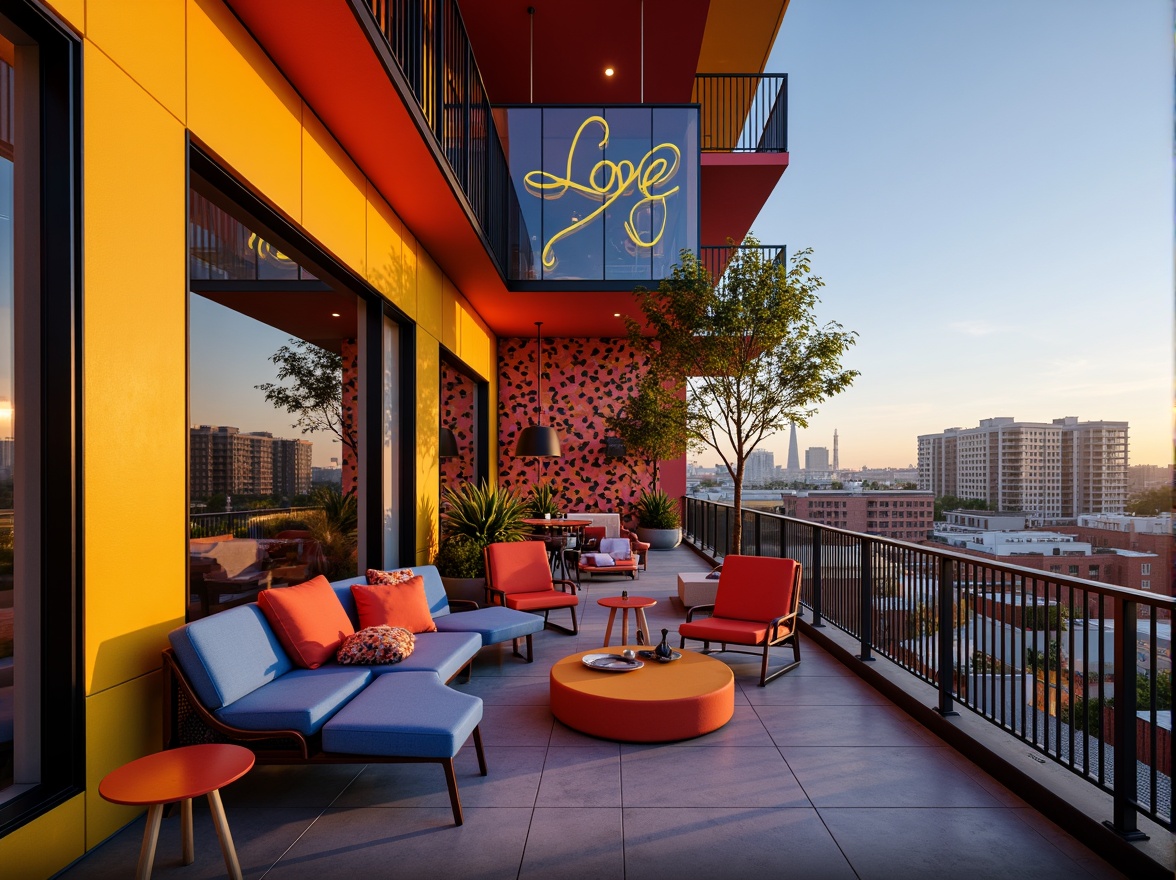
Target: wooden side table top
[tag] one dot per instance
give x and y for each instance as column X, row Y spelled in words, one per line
column 176, row 774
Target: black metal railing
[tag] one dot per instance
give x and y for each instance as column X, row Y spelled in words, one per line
column 1078, row 670
column 716, row 258
column 743, row 112
column 243, row 523
column 428, row 40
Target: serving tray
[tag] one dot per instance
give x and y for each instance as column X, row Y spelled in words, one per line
column 610, row 663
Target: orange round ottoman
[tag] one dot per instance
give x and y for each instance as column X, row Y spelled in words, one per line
column 660, row 702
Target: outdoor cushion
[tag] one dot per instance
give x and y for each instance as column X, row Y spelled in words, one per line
column 494, row 624
column 375, row 645
column 434, row 592
column 397, row 576
column 308, row 620
column 600, row 560
column 724, row 629
column 754, row 588
column 410, row 714
column 394, row 604
column 618, row 548
column 541, row 601
column 229, row 655
column 442, row 653
column 302, row 699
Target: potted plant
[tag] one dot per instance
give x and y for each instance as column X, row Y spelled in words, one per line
column 542, row 502
column 474, row 516
column 658, row 521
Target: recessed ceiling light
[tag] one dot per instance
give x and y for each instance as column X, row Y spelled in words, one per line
column 608, row 71
column 616, row 314
column 334, row 314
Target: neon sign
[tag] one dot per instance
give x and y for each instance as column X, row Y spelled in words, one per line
column 265, row 250
column 606, row 183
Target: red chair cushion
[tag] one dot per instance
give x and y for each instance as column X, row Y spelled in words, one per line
column 755, row 588
column 518, row 567
column 722, row 629
column 541, row 601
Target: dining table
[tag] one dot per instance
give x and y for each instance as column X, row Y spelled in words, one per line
column 559, row 527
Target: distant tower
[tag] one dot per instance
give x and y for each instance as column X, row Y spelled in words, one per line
column 793, row 452
column 836, row 463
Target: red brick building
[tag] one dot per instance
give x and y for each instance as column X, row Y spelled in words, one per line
column 902, row 515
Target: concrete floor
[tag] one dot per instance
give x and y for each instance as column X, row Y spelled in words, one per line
column 816, row 776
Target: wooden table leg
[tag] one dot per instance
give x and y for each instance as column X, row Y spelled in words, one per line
column 225, row 836
column 612, row 615
column 150, row 838
column 186, row 836
column 642, row 628
column 624, row 626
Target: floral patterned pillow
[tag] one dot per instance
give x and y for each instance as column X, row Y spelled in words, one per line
column 376, row 644
column 376, row 577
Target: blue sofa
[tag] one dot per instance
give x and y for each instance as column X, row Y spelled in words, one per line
column 231, row 681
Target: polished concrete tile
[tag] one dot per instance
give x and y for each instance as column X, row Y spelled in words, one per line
column 842, row 726
column 744, row 729
column 516, row 725
column 697, row 776
column 964, row 844
column 832, row 689
column 883, row 776
column 507, row 690
column 588, row 776
column 269, row 785
column 574, row 844
column 729, row 844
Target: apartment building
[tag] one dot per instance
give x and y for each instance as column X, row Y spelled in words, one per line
column 902, row 515
column 1049, row 471
column 225, row 461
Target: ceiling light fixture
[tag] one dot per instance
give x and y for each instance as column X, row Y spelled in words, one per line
column 608, row 71
column 538, row 440
column 334, row 314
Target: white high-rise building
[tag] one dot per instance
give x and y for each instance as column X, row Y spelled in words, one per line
column 816, row 458
column 1048, row 471
column 760, row 468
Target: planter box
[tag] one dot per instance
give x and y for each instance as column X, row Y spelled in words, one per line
column 660, row 539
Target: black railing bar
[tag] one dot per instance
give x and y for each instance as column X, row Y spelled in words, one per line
column 1153, row 719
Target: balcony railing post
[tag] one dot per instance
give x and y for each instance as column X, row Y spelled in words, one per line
column 1125, row 793
column 866, row 552
column 815, row 579
column 946, row 671
column 759, row 548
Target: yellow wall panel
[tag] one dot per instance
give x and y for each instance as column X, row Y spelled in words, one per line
column 240, row 106
column 450, row 315
column 122, row 723
column 429, row 292
column 135, row 368
column 146, row 39
column 475, row 343
column 73, row 12
column 428, row 417
column 409, row 248
column 334, row 195
column 385, row 252
column 47, row 844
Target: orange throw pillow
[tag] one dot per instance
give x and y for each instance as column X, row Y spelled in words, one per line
column 401, row 604
column 308, row 620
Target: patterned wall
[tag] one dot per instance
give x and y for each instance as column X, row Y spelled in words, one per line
column 584, row 382
column 350, row 463
column 458, row 410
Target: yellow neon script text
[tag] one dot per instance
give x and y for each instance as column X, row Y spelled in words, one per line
column 607, row 182
column 265, row 250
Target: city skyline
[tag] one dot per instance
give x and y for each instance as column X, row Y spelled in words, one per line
column 979, row 182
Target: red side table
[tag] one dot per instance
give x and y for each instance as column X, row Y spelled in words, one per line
column 179, row 775
column 639, row 603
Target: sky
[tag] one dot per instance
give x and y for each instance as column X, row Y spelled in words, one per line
column 987, row 188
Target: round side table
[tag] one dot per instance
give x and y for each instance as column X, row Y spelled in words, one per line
column 179, row 775
column 639, row 604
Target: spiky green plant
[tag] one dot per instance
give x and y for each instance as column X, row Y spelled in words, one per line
column 543, row 500
column 657, row 510
column 484, row 514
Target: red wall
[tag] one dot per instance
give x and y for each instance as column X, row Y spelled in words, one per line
column 585, row 381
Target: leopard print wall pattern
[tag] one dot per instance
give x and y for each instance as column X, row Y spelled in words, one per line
column 458, row 412
column 350, row 463
column 585, row 381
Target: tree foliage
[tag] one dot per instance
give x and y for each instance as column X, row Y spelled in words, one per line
column 315, row 390
column 652, row 424
column 748, row 351
column 1151, row 502
column 945, row 503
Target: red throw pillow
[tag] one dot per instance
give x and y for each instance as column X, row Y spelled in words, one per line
column 402, row 604
column 308, row 620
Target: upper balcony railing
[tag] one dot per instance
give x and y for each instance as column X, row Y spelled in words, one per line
column 743, row 112
column 1078, row 670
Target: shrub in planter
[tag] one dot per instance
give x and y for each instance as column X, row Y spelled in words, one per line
column 460, row 557
column 658, row 521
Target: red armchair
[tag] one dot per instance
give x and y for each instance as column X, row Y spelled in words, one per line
column 518, row 575
column 640, row 548
column 756, row 604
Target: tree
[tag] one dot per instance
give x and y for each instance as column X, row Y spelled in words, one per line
column 1151, row 502
column 315, row 394
column 945, row 503
column 747, row 351
column 652, row 423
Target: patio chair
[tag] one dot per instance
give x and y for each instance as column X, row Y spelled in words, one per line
column 640, row 548
column 614, row 557
column 756, row 604
column 518, row 576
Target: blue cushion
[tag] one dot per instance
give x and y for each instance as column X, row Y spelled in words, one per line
column 343, row 591
column 301, row 700
column 229, row 655
column 410, row 714
column 443, row 653
column 494, row 624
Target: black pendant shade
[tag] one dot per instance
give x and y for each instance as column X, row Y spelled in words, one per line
column 447, row 444
column 538, row 440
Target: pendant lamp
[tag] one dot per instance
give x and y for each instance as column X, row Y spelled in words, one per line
column 538, row 439
column 447, row 444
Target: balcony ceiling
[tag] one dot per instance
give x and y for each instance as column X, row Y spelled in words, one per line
column 321, row 48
